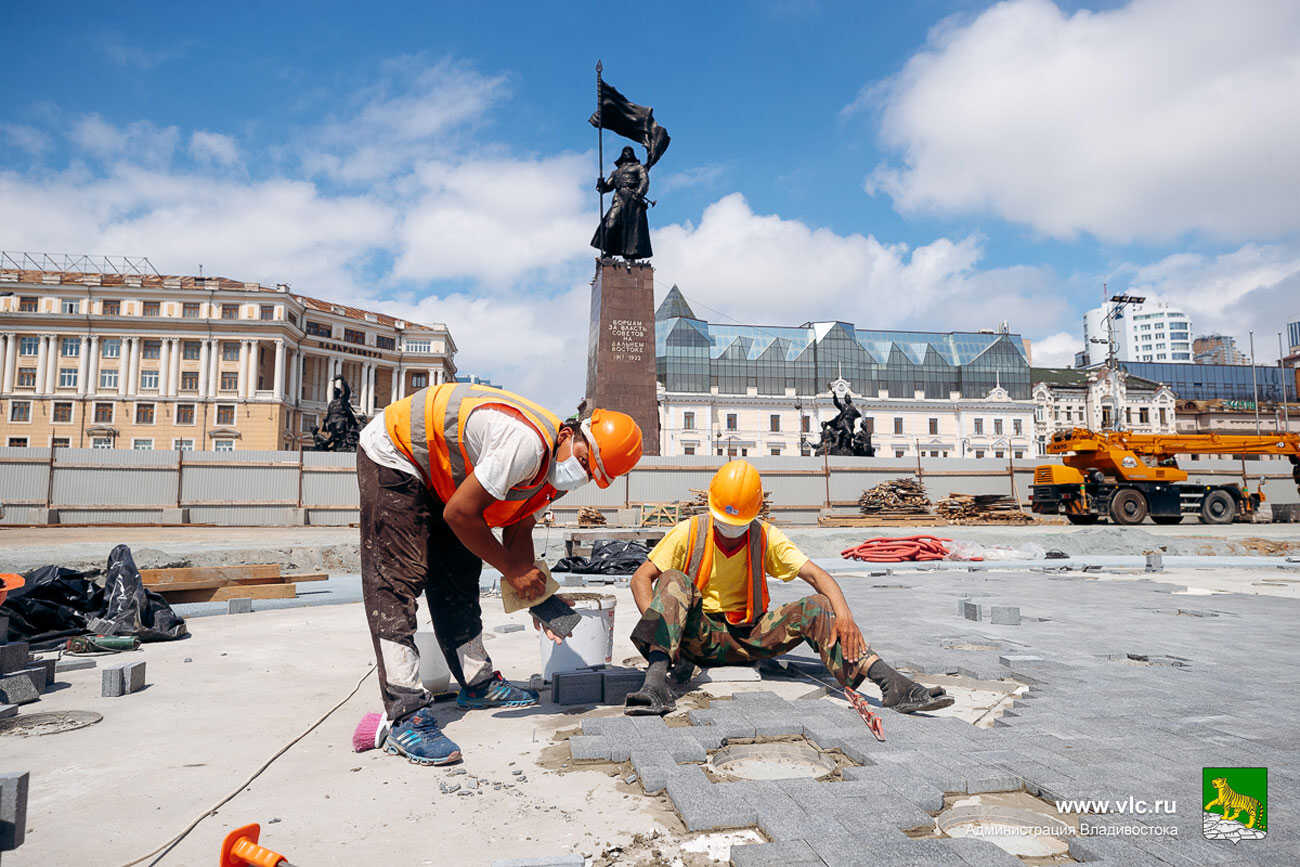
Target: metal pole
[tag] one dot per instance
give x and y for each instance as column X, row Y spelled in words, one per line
column 600, row 157
column 1254, row 381
column 1286, row 416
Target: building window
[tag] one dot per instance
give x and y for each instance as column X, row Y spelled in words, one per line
column 189, row 380
column 108, row 378
column 979, row 453
column 26, row 377
column 229, row 380
column 419, row 345
column 688, row 421
column 70, row 347
column 805, row 424
column 1017, row 426
column 229, row 311
column 67, row 377
column 1162, row 416
column 144, row 413
column 266, row 312
column 775, row 451
column 774, row 423
column 111, row 347
column 999, row 454
column 230, row 352
column 70, row 306
column 898, row 453
column 29, row 346
column 142, row 445
column 731, row 421
column 225, row 413
column 805, row 450
column 111, row 307
column 101, row 443
column 182, row 445
column 316, row 329
column 898, row 424
column 979, row 425
column 190, row 310
column 1020, row 453
column 17, row 442
column 20, row 410
column 351, row 335
column 60, row 442
column 688, row 450
column 27, row 304
column 103, row 413
column 185, row 413
column 934, row 426
column 419, row 380
column 1144, row 415
column 223, row 445
column 731, row 453
column 151, row 349
column 997, row 427
column 152, row 309
column 62, row 413
column 191, row 350
column 149, row 380
column 382, row 342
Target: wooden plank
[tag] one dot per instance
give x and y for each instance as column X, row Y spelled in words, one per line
column 303, row 576
column 202, row 577
column 236, row 591
column 864, row 521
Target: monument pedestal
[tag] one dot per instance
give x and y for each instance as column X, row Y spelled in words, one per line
column 621, row 345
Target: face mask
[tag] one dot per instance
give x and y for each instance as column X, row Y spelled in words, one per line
column 568, row 475
column 731, row 531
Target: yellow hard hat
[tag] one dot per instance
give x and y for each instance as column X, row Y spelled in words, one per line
column 736, row 493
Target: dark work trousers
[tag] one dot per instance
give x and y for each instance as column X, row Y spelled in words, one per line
column 406, row 548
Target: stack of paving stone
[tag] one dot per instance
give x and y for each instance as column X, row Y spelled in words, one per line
column 700, row 504
column 981, row 509
column 905, row 496
column 22, row 679
column 590, row 516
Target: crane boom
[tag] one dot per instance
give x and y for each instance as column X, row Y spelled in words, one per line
column 1166, row 445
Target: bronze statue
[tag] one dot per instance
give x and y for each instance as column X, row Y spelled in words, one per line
column 340, row 430
column 624, row 230
column 844, row 435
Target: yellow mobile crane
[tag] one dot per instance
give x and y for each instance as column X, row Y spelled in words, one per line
column 1128, row 476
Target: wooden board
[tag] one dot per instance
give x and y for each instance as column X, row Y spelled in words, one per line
column 205, row 577
column 298, row 577
column 877, row 521
column 235, row 591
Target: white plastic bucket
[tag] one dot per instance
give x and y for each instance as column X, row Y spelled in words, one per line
column 434, row 673
column 592, row 641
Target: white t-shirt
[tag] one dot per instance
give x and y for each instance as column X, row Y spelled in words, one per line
column 504, row 450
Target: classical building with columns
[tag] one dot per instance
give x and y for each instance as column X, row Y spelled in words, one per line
column 143, row 361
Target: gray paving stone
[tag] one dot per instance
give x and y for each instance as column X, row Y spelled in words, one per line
column 68, row 663
column 133, row 676
column 706, row 806
column 1004, row 615
column 979, row 853
column 617, row 683
column 8, row 710
column 37, row 674
column 970, row 611
column 18, row 689
column 13, row 810
column 564, row 859
column 13, row 656
column 576, row 687
column 998, row 783
column 585, row 748
column 507, row 628
column 112, row 681
column 242, row 605
column 794, row 853
column 653, row 767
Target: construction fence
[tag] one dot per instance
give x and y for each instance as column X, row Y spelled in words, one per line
column 283, row 488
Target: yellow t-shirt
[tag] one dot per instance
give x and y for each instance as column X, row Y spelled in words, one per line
column 726, row 588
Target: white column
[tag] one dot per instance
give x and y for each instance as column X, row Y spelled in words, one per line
column 123, row 365
column 363, row 389
column 164, row 366
column 42, row 359
column 11, row 362
column 5, row 364
column 242, row 390
column 52, row 366
column 92, row 367
column 433, row 376
column 254, row 366
column 401, row 383
column 204, row 364
column 392, row 392
column 83, row 362
column 214, row 375
column 299, row 368
column 278, row 384
column 174, row 378
column 370, row 392
column 133, row 368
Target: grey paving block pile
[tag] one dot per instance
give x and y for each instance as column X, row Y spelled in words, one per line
column 14, row 656
column 577, row 687
column 13, row 810
column 18, row 689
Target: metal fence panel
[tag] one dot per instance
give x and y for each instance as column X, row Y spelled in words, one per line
column 330, row 489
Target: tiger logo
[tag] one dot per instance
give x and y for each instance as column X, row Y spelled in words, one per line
column 1233, row 804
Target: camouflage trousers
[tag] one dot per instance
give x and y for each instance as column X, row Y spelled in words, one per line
column 676, row 624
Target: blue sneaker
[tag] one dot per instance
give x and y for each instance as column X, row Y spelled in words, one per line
column 418, row 737
column 496, row 691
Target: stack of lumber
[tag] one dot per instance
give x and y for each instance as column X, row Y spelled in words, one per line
column 219, row 583
column 905, row 496
column 590, row 516
column 700, row 505
column 981, row 509
column 660, row 514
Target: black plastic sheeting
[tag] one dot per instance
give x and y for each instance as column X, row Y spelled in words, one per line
column 609, row 557
column 57, row 603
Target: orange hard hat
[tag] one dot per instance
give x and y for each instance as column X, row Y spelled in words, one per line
column 736, row 493
column 615, row 443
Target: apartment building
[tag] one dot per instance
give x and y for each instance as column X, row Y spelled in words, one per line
column 144, row 361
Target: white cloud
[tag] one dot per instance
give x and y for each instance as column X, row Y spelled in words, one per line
column 1145, row 122
column 137, row 53
column 140, row 142
column 1056, row 350
column 698, row 176
column 213, row 147
column 27, row 138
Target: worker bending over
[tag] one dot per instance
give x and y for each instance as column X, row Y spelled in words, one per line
column 437, row 472
column 703, row 600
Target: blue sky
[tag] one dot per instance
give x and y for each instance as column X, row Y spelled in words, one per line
column 923, row 165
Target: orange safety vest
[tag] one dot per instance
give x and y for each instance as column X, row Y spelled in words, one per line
column 699, row 566
column 429, row 428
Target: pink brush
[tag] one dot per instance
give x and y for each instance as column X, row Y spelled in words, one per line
column 370, row 732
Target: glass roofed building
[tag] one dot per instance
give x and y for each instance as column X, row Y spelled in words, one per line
column 753, row 389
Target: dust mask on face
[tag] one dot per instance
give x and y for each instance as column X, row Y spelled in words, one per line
column 731, row 531
column 567, row 475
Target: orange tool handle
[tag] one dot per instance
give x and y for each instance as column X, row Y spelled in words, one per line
column 240, row 849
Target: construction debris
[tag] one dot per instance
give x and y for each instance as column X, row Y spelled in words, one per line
column 905, row 496
column 590, row 516
column 700, row 505
column 981, row 509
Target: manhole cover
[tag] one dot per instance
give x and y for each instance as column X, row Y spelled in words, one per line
column 31, row 724
column 1015, row 822
column 771, row 761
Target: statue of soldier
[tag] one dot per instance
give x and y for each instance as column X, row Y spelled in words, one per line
column 340, row 430
column 624, row 230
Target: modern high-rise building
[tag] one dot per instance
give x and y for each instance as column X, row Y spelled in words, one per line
column 1217, row 349
column 1152, row 331
column 143, row 361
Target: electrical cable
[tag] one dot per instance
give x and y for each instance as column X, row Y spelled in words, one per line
column 165, row 848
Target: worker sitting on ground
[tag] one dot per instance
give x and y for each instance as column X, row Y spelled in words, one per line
column 438, row 471
column 703, row 600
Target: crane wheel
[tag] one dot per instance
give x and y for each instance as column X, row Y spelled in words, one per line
column 1083, row 519
column 1218, row 507
column 1128, row 506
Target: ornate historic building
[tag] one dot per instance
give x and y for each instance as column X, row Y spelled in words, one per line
column 113, row 360
column 1068, row 397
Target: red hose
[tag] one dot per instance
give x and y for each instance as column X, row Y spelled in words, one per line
column 898, row 549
